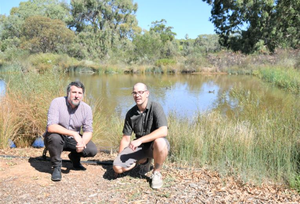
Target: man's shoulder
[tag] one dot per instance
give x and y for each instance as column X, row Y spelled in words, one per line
column 132, row 109
column 154, row 104
column 59, row 99
column 85, row 105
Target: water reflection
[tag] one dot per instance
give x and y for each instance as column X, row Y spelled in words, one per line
column 183, row 95
column 2, row 88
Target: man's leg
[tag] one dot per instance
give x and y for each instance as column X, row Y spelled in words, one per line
column 127, row 159
column 89, row 151
column 55, row 144
column 160, row 148
column 160, row 152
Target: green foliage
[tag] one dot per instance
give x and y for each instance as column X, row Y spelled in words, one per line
column 13, row 24
column 42, row 34
column 256, row 143
column 207, row 43
column 244, row 25
column 147, row 47
column 203, row 44
column 165, row 62
column 287, row 78
column 25, row 119
column 165, row 32
column 54, row 9
column 108, row 23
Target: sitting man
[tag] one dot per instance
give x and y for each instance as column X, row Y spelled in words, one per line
column 149, row 123
column 66, row 117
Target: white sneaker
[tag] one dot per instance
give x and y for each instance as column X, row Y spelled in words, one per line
column 157, row 181
column 145, row 168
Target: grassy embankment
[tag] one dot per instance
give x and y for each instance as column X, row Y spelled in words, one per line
column 259, row 144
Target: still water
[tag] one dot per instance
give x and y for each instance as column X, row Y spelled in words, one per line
column 182, row 95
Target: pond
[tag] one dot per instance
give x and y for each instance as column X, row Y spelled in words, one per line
column 182, row 95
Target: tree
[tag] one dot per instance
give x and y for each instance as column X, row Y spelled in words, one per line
column 113, row 21
column 166, row 36
column 11, row 26
column 165, row 32
column 54, row 9
column 42, row 34
column 207, row 43
column 147, row 47
column 245, row 24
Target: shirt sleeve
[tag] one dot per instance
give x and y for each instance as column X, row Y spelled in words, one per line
column 159, row 114
column 87, row 125
column 53, row 113
column 127, row 129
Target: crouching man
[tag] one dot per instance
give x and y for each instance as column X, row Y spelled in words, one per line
column 67, row 116
column 149, row 123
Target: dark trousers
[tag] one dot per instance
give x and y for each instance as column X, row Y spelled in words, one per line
column 56, row 144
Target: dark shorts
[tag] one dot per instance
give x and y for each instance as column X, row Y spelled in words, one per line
column 128, row 157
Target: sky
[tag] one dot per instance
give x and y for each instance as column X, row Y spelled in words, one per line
column 189, row 17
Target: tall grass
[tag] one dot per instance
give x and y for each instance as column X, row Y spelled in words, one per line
column 24, row 107
column 257, row 143
column 25, row 104
column 287, row 78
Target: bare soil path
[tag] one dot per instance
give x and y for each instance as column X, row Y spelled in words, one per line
column 25, row 178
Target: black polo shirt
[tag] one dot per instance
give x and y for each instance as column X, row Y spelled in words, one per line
column 144, row 123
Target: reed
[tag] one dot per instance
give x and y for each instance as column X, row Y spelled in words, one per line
column 254, row 141
column 287, row 78
column 258, row 143
column 25, row 104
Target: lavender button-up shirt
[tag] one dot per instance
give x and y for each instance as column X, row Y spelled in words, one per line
column 61, row 113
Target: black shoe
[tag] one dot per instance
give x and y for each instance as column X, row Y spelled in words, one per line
column 56, row 174
column 76, row 163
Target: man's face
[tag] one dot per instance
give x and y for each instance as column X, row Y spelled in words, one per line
column 140, row 95
column 75, row 96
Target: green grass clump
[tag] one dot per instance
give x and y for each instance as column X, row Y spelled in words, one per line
column 25, row 104
column 165, row 62
column 287, row 78
column 258, row 143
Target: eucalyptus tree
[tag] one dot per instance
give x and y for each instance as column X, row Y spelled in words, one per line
column 167, row 37
column 111, row 22
column 147, row 47
column 207, row 43
column 165, row 32
column 249, row 25
column 11, row 26
column 42, row 34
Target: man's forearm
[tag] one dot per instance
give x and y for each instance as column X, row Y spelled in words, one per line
column 55, row 128
column 124, row 143
column 86, row 137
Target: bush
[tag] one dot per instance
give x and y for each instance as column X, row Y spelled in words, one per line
column 165, row 62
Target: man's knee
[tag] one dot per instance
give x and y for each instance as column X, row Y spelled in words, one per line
column 118, row 169
column 160, row 144
column 53, row 139
column 91, row 150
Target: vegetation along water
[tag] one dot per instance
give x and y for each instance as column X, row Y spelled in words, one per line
column 252, row 132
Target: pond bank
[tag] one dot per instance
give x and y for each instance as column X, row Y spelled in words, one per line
column 28, row 181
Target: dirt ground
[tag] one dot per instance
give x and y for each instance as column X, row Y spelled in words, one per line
column 25, row 178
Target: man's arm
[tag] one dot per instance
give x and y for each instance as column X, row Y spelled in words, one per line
column 55, row 128
column 158, row 133
column 124, row 142
column 86, row 137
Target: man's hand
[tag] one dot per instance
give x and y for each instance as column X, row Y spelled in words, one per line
column 80, row 147
column 134, row 144
column 80, row 144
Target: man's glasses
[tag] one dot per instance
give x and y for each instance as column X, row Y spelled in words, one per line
column 138, row 93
